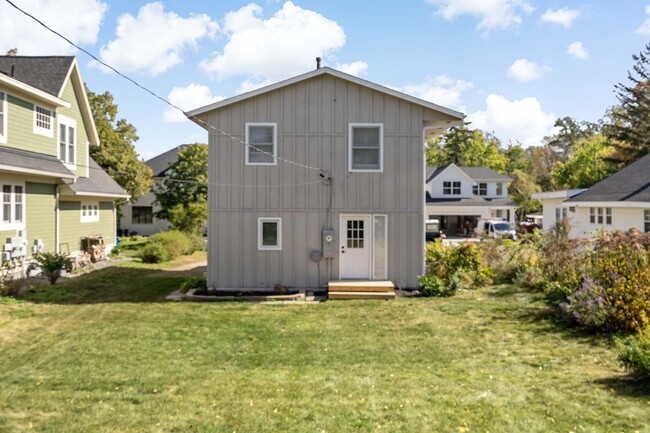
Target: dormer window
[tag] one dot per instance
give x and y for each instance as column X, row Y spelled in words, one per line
column 480, row 189
column 451, row 188
column 500, row 188
column 42, row 121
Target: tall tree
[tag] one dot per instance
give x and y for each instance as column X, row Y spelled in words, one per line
column 183, row 196
column 468, row 147
column 588, row 164
column 570, row 131
column 116, row 152
column 630, row 128
column 521, row 190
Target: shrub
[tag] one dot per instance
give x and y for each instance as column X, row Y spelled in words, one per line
column 457, row 267
column 431, row 285
column 52, row 264
column 513, row 261
column 621, row 266
column 634, row 352
column 154, row 252
column 197, row 242
column 587, row 306
column 176, row 243
column 194, row 283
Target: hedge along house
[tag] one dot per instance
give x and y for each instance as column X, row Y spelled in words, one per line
column 318, row 178
column 53, row 194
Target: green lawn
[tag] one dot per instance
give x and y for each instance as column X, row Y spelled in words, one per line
column 109, row 356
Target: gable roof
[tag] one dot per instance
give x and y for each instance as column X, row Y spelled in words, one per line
column 98, row 184
column 474, row 173
column 22, row 161
column 632, row 183
column 159, row 164
column 46, row 73
column 332, row 72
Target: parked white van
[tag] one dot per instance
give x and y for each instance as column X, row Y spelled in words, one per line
column 495, row 229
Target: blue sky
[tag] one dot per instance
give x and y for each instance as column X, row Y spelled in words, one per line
column 513, row 66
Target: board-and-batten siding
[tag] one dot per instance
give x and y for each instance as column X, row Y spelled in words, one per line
column 313, row 120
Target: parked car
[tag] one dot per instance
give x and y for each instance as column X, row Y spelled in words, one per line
column 495, row 229
column 433, row 231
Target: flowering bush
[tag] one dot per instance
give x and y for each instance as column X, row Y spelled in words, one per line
column 457, row 267
column 587, row 306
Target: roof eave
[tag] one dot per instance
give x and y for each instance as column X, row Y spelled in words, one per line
column 22, row 170
column 33, row 92
column 317, row 72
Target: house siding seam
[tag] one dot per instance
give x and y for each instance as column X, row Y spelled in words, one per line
column 312, row 128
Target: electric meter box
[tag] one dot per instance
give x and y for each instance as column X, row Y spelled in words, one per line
column 329, row 250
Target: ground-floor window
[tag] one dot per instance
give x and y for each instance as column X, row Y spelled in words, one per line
column 141, row 215
column 600, row 215
column 12, row 211
column 89, row 212
column 647, row 220
column 269, row 233
column 560, row 213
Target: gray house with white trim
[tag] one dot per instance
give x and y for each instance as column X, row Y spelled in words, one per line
column 317, row 178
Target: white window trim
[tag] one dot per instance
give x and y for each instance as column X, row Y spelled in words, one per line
column 275, row 143
column 43, row 131
column 260, row 246
column 3, row 103
column 13, row 225
column 600, row 215
column 92, row 212
column 452, row 188
column 67, row 122
column 351, row 126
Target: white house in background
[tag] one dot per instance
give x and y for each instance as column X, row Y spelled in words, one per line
column 138, row 217
column 459, row 196
column 620, row 202
column 553, row 208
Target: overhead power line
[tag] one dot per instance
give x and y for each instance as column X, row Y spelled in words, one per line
column 161, row 98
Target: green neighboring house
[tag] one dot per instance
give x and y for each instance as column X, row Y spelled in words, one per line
column 52, row 193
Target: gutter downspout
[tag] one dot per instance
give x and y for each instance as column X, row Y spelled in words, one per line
column 57, row 220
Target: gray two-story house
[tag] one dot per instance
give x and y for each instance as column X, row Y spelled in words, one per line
column 317, row 178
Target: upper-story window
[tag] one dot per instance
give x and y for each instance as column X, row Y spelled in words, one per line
column 42, row 121
column 499, row 188
column 261, row 144
column 3, row 117
column 480, row 189
column 67, row 140
column 366, row 147
column 451, row 188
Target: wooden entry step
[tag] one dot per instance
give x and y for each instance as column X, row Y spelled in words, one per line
column 361, row 289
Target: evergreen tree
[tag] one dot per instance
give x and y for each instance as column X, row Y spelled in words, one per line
column 630, row 127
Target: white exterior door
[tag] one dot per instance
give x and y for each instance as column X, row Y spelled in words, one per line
column 355, row 249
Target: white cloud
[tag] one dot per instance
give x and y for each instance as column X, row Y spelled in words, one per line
column 440, row 90
column 564, row 16
column 281, row 46
column 494, row 14
column 577, row 50
column 520, row 120
column 188, row 98
column 355, row 68
column 645, row 27
column 524, row 70
column 155, row 40
column 19, row 31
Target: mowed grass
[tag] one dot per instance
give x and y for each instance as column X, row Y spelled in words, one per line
column 489, row 360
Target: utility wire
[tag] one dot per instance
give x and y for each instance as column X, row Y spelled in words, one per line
column 165, row 100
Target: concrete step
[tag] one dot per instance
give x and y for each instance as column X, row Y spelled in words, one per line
column 361, row 295
column 360, row 286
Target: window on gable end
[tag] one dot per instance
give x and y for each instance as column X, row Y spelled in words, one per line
column 43, row 121
column 261, row 144
column 366, row 146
